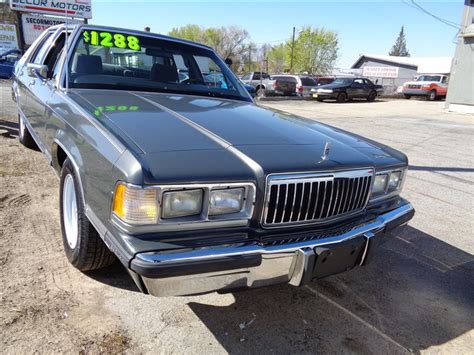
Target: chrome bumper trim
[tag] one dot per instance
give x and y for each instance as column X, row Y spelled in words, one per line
column 279, row 263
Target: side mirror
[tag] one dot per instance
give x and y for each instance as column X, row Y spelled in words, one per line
column 38, row 71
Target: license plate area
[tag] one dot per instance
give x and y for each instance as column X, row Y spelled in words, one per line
column 337, row 258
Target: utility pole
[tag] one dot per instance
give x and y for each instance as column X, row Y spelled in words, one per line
column 250, row 57
column 292, row 50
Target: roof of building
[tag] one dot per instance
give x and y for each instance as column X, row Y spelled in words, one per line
column 439, row 65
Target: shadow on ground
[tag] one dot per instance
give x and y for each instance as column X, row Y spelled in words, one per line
column 417, row 292
column 11, row 127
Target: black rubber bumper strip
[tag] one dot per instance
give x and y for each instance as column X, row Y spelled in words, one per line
column 175, row 269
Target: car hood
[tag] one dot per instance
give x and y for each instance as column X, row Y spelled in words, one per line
column 206, row 137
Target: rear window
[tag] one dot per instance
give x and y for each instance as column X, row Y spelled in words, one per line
column 288, row 79
column 308, row 82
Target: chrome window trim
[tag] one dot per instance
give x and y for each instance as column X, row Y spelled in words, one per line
column 201, row 221
column 320, row 176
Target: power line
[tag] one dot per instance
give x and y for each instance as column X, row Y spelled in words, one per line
column 417, row 6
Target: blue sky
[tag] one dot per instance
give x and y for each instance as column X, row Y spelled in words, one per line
column 369, row 27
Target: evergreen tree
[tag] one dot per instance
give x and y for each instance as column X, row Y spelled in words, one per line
column 400, row 47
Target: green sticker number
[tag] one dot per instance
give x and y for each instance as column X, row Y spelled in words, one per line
column 107, row 39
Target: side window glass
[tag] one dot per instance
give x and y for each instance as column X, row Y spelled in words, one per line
column 54, row 53
column 42, row 48
column 256, row 76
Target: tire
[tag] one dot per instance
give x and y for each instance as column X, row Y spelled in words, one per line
column 408, row 97
column 342, row 97
column 83, row 246
column 24, row 135
column 432, row 95
column 372, row 96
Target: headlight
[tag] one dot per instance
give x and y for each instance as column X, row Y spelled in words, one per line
column 380, row 183
column 226, row 201
column 135, row 205
column 182, row 203
column 394, row 181
column 388, row 183
column 164, row 206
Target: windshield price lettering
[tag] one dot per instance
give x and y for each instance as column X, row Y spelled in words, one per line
column 107, row 39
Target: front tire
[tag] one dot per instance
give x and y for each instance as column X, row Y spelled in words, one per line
column 342, row 97
column 372, row 96
column 408, row 97
column 433, row 95
column 83, row 246
column 24, row 135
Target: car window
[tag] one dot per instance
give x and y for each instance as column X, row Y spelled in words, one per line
column 308, row 82
column 127, row 61
column 53, row 55
column 246, row 77
column 368, row 82
column 444, row 80
column 256, row 76
column 42, row 49
column 429, row 78
column 358, row 81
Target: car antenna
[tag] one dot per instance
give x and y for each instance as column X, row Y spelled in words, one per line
column 67, row 45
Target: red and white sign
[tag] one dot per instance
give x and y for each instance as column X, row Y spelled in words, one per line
column 71, row 8
column 34, row 25
column 380, row 72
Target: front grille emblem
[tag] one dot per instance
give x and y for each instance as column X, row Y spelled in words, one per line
column 327, row 147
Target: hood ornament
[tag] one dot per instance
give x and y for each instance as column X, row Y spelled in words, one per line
column 326, row 150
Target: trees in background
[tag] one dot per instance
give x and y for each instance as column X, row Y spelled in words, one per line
column 400, row 47
column 315, row 49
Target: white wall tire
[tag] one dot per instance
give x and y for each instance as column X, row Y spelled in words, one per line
column 83, row 246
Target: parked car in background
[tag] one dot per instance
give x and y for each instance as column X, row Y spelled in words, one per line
column 7, row 63
column 266, row 85
column 343, row 89
column 323, row 80
column 304, row 83
column 191, row 186
column 432, row 86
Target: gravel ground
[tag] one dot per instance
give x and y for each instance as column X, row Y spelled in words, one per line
column 416, row 296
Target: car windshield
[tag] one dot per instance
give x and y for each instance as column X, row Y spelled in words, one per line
column 429, row 78
column 342, row 81
column 125, row 61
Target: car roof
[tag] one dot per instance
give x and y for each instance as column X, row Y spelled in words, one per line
column 128, row 30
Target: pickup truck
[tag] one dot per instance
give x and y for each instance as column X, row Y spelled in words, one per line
column 433, row 87
column 193, row 187
column 267, row 85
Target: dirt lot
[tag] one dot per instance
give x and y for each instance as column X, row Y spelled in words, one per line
column 416, row 296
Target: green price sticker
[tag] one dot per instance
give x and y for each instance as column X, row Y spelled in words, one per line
column 107, row 39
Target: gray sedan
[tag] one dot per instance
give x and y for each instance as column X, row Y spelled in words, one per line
column 187, row 182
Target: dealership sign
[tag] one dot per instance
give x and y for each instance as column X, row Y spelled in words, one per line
column 380, row 72
column 8, row 38
column 34, row 25
column 72, row 8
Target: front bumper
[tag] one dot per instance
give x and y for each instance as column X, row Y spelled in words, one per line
column 250, row 265
column 324, row 95
column 416, row 92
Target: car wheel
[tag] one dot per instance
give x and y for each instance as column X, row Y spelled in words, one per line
column 408, row 97
column 83, row 246
column 342, row 97
column 24, row 135
column 372, row 96
column 432, row 96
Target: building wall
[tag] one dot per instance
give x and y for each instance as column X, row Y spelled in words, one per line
column 461, row 84
column 405, row 73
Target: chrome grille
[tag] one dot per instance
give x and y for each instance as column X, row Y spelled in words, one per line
column 311, row 198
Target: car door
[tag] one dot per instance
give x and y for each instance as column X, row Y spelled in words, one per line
column 28, row 85
column 355, row 89
column 42, row 89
